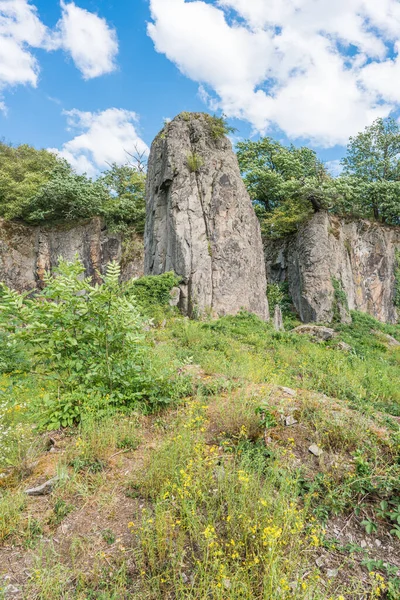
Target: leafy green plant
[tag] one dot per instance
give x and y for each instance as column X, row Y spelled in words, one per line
column 154, row 290
column 108, row 536
column 267, row 418
column 219, row 126
column 194, row 162
column 86, row 340
column 61, row 510
column 370, row 526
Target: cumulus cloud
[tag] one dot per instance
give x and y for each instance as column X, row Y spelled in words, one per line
column 20, row 30
column 318, row 69
column 101, row 138
column 91, row 43
column 88, row 38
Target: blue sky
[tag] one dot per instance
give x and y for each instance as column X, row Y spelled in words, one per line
column 94, row 78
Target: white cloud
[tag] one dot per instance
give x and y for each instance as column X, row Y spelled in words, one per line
column 319, row 69
column 102, row 138
column 85, row 36
column 20, row 29
column 88, row 38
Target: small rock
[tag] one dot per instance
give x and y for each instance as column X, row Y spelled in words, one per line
column 316, row 450
column 288, row 391
column 345, row 347
column 290, row 420
column 42, row 490
column 10, row 590
column 363, row 544
column 378, row 543
column 332, row 573
column 318, row 332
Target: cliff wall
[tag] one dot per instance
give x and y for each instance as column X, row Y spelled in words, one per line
column 356, row 257
column 27, row 252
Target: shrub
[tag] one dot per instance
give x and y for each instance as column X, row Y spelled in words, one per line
column 87, row 342
column 219, row 126
column 194, row 162
column 154, row 290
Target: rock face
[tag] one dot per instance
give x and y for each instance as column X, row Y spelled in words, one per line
column 27, row 252
column 200, row 222
column 330, row 263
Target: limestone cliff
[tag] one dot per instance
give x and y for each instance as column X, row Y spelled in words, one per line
column 26, row 252
column 359, row 256
column 200, row 222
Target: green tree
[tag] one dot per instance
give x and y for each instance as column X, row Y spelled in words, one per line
column 287, row 184
column 23, row 171
column 66, row 196
column 373, row 164
column 126, row 201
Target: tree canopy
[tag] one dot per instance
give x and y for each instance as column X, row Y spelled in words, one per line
column 37, row 186
column 287, row 184
column 373, row 164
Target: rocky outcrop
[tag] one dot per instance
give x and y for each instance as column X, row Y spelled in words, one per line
column 27, row 252
column 200, row 222
column 333, row 264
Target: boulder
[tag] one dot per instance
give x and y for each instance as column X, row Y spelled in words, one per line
column 319, row 332
column 344, row 346
column 200, row 222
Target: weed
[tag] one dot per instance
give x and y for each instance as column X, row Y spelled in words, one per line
column 219, row 126
column 61, row 510
column 194, row 162
column 108, row 536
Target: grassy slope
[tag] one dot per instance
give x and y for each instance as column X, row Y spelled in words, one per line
column 216, row 497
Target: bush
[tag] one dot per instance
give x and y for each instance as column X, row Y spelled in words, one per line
column 154, row 290
column 87, row 342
